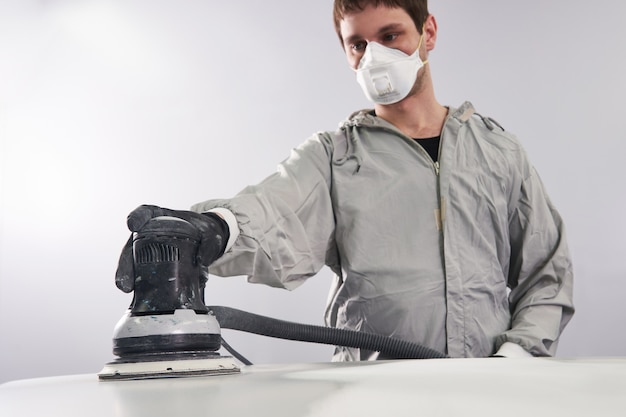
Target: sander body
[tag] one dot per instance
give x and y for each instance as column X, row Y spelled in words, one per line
column 168, row 331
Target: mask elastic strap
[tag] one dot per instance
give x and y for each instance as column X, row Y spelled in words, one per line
column 419, row 44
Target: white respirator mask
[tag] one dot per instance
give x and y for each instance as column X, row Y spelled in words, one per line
column 387, row 75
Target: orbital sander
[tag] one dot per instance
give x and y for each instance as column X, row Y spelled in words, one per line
column 168, row 331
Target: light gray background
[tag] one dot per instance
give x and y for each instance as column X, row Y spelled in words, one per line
column 108, row 105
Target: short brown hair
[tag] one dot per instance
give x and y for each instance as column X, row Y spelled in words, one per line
column 417, row 9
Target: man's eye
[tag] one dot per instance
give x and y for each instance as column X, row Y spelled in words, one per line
column 390, row 37
column 359, row 46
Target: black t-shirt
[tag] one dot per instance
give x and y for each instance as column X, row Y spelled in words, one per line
column 430, row 145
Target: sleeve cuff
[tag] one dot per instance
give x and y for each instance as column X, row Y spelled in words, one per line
column 231, row 221
column 512, row 350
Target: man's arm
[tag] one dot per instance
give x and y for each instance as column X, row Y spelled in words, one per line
column 284, row 223
column 540, row 274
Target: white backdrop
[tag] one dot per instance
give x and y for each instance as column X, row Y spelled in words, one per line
column 105, row 105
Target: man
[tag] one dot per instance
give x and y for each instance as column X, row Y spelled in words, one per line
column 436, row 225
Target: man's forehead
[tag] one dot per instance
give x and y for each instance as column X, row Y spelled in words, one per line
column 373, row 20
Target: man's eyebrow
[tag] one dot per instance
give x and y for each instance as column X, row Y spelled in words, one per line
column 352, row 39
column 387, row 28
column 390, row 27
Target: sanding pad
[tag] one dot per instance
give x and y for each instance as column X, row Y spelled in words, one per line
column 168, row 368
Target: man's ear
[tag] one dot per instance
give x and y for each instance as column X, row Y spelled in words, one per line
column 430, row 32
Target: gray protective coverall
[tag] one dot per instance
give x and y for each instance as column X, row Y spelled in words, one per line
column 461, row 255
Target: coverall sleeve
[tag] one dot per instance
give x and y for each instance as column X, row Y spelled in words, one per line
column 285, row 222
column 540, row 274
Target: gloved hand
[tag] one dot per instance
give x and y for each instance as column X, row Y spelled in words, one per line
column 213, row 229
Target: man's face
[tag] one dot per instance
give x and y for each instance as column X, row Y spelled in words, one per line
column 391, row 27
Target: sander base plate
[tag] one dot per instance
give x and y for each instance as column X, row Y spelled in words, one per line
column 159, row 368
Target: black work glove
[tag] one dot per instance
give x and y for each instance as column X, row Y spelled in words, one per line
column 213, row 229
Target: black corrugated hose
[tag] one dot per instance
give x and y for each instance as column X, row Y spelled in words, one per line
column 389, row 347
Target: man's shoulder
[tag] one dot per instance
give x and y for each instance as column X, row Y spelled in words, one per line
column 356, row 118
column 485, row 127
